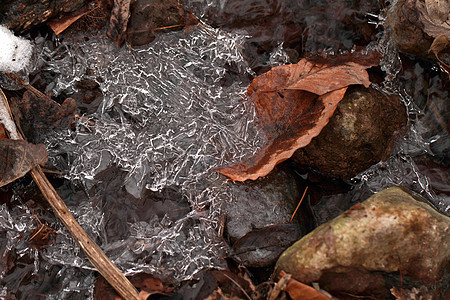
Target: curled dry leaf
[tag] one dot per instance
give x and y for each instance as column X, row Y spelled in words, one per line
column 293, row 104
column 434, row 15
column 17, row 157
column 437, row 10
column 439, row 44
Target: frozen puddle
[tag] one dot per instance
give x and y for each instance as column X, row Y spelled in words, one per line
column 168, row 120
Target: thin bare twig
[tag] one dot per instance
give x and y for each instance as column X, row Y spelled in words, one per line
column 298, row 205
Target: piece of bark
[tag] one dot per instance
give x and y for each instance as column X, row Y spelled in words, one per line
column 22, row 15
column 118, row 22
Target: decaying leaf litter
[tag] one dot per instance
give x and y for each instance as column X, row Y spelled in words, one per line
column 127, row 111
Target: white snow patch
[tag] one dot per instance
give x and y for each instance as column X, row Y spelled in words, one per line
column 15, row 52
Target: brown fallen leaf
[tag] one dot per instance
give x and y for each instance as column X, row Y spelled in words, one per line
column 301, row 291
column 437, row 10
column 119, row 20
column 293, row 104
column 38, row 115
column 17, row 157
column 2, row 132
column 438, row 45
column 42, row 235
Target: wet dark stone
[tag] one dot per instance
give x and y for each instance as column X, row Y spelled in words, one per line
column 265, row 201
column 259, row 215
column 360, row 134
column 262, row 247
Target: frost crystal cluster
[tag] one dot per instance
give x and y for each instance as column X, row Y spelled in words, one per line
column 172, row 113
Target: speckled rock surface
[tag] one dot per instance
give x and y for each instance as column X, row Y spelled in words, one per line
column 360, row 134
column 391, row 232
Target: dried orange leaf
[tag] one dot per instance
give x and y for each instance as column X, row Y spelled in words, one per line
column 2, row 132
column 320, row 80
column 59, row 25
column 294, row 103
column 301, row 291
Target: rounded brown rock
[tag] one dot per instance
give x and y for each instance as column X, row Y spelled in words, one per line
column 360, row 133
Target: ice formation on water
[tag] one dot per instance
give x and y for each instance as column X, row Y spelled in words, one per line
column 165, row 117
column 169, row 120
